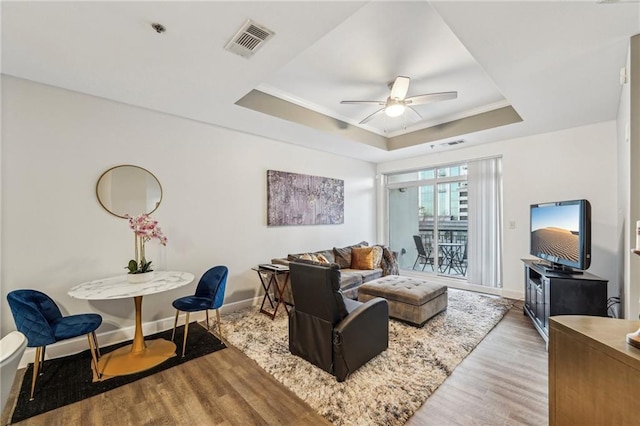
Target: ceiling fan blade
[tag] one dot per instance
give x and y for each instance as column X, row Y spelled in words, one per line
column 363, row 102
column 431, row 97
column 417, row 113
column 400, row 88
column 370, row 117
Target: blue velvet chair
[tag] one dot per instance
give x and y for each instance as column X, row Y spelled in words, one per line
column 209, row 295
column 39, row 318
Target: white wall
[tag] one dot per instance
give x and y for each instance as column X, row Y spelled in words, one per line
column 625, row 224
column 568, row 164
column 55, row 234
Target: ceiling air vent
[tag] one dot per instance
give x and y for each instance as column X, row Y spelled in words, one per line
column 459, row 141
column 249, row 39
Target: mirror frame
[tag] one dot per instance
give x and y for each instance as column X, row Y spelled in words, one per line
column 137, row 167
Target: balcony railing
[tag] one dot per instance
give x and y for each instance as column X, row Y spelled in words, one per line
column 452, row 253
column 449, row 231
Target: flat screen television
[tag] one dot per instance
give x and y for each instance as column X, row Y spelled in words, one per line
column 561, row 235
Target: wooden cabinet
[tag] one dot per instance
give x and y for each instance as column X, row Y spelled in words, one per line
column 594, row 375
column 548, row 294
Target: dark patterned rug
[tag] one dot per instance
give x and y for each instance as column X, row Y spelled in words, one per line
column 69, row 379
column 392, row 386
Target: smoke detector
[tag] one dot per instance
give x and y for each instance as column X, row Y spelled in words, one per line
column 249, row 38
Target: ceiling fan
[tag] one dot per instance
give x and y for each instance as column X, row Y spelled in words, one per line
column 397, row 102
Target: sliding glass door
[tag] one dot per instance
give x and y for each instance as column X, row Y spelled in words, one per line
column 428, row 220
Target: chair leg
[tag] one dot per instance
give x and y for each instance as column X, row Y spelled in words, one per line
column 207, row 313
column 95, row 341
column 36, row 370
column 175, row 323
column 219, row 324
column 186, row 331
column 41, row 370
column 424, row 265
column 416, row 262
column 91, row 337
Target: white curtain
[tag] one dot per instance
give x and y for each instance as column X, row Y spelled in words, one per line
column 484, row 250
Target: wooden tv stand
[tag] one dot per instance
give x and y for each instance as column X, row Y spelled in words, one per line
column 594, row 375
column 547, row 294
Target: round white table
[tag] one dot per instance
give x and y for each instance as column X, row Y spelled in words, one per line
column 140, row 355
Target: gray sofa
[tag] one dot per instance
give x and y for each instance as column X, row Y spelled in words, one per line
column 350, row 278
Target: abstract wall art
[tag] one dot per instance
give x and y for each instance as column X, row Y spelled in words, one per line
column 297, row 199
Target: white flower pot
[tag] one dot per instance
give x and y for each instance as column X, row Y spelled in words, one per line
column 140, row 278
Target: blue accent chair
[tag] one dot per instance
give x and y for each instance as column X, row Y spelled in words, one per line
column 209, row 295
column 39, row 318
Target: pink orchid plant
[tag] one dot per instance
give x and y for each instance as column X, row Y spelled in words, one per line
column 144, row 229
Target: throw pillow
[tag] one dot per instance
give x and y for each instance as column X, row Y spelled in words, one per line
column 322, row 259
column 377, row 256
column 362, row 258
column 328, row 254
column 304, row 258
column 313, row 262
column 389, row 263
column 343, row 256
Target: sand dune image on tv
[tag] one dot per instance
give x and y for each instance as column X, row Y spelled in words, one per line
column 556, row 242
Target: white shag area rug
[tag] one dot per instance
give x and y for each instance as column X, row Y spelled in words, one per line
column 392, row 386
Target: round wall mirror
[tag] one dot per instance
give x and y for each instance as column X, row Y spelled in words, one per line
column 128, row 190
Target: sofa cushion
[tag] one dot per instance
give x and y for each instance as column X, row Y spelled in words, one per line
column 351, row 304
column 351, row 293
column 343, row 255
column 349, row 280
column 364, row 274
column 362, row 258
column 371, row 274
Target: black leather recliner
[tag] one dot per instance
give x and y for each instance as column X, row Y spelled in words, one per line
column 330, row 331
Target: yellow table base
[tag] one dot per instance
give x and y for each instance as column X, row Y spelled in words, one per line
column 123, row 361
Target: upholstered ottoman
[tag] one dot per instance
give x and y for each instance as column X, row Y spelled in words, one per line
column 410, row 299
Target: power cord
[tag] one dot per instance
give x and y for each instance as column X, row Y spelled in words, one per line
column 611, row 303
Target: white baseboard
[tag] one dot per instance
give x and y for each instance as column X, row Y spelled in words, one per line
column 513, row 294
column 79, row 344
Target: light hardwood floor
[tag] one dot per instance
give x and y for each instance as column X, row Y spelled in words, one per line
column 502, row 382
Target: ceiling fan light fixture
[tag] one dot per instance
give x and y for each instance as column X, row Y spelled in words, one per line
column 397, row 101
column 394, row 109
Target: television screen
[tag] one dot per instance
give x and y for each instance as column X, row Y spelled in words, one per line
column 561, row 233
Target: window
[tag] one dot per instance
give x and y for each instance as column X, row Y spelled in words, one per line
column 460, row 229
